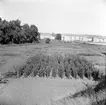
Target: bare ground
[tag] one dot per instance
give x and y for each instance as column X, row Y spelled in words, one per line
column 39, row 91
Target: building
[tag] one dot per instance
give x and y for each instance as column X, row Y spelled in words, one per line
column 46, row 35
column 73, row 37
column 83, row 38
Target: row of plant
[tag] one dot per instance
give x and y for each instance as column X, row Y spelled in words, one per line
column 57, row 65
column 14, row 32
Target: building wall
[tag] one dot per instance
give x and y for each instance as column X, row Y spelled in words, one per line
column 105, row 40
column 67, row 38
column 46, row 36
column 70, row 38
column 63, row 37
column 101, row 40
column 43, row 37
column 96, row 40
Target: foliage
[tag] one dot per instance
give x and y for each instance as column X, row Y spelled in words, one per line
column 96, row 74
column 58, row 37
column 47, row 40
column 14, row 32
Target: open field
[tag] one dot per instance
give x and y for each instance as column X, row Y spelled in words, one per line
column 46, row 91
column 13, row 55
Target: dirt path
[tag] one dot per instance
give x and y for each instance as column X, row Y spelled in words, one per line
column 39, row 91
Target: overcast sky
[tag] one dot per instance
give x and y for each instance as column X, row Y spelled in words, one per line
column 60, row 16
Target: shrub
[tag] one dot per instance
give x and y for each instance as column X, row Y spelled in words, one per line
column 47, row 40
column 95, row 75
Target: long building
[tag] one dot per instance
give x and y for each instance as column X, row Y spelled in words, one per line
column 74, row 37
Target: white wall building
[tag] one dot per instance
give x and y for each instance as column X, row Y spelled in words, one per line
column 70, row 38
column 105, row 40
column 96, row 39
column 67, row 38
column 46, row 35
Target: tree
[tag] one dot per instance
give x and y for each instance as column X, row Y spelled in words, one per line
column 26, row 32
column 9, row 30
column 1, row 36
column 4, row 28
column 14, row 32
column 58, row 37
column 34, row 33
column 31, row 33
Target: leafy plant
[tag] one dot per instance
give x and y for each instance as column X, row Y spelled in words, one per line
column 54, row 65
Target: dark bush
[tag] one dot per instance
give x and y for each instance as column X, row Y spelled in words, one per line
column 95, row 75
column 58, row 37
column 47, row 40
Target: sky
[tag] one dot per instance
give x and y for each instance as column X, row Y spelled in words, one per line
column 58, row 16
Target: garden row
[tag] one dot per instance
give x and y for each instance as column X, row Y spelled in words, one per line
column 57, row 65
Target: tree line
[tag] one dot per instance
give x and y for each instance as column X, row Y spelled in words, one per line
column 14, row 32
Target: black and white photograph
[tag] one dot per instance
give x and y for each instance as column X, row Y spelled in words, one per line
column 52, row 52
